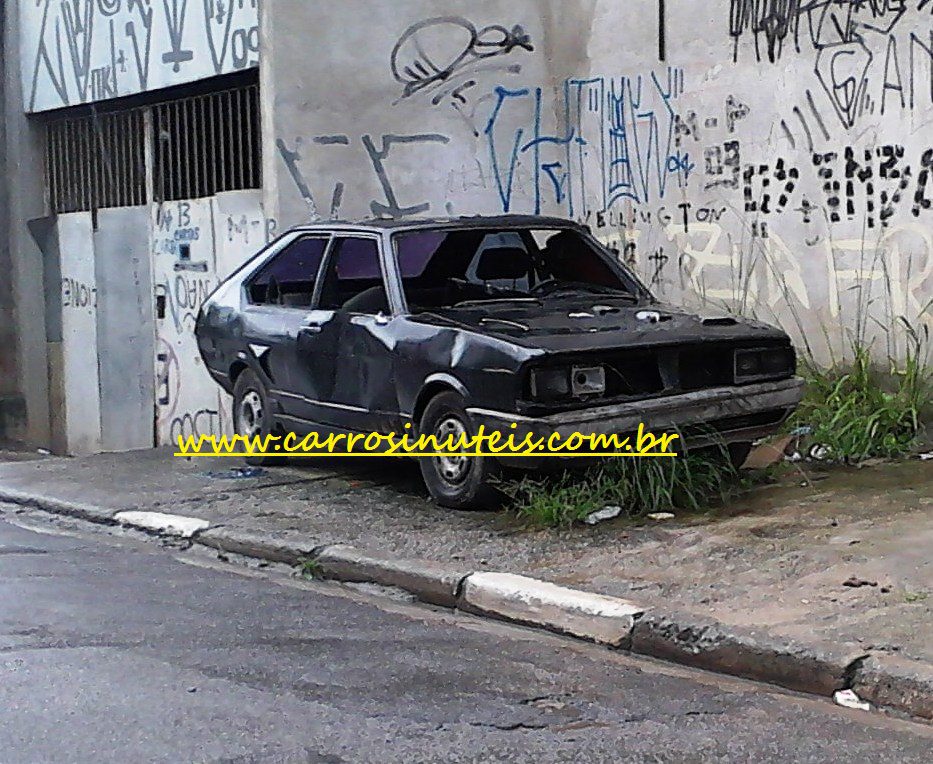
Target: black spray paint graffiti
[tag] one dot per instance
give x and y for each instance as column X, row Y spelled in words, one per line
column 875, row 180
column 196, row 424
column 88, row 50
column 865, row 57
column 183, row 299
column 390, row 208
column 77, row 294
column 434, row 52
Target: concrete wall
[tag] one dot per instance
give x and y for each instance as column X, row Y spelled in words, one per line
column 80, row 373
column 125, row 338
column 777, row 166
column 93, row 50
column 25, row 368
column 194, row 244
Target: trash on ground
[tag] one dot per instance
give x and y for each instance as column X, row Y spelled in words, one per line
column 606, row 513
column 849, row 699
column 237, row 473
column 927, row 456
column 855, row 582
column 662, row 516
column 767, row 453
column 820, row 452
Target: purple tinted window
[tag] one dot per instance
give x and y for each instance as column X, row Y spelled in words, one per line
column 299, row 261
column 358, row 259
column 415, row 251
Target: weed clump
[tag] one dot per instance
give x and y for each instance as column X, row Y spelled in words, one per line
column 862, row 410
column 690, row 482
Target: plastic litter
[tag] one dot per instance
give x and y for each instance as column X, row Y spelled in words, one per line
column 606, row 513
column 237, row 473
column 849, row 699
column 927, row 456
column 819, row 452
column 662, row 516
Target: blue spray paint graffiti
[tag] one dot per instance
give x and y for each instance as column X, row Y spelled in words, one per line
column 619, row 132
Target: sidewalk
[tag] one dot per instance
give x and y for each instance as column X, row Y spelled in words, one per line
column 845, row 562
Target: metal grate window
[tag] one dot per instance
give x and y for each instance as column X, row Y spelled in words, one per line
column 201, row 145
column 96, row 161
column 207, row 144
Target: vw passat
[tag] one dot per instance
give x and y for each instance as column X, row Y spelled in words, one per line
column 518, row 324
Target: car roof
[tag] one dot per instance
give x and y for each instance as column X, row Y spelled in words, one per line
column 414, row 224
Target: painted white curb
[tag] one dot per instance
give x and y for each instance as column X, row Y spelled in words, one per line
column 174, row 525
column 518, row 598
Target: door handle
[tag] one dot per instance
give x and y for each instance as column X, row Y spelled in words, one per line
column 310, row 329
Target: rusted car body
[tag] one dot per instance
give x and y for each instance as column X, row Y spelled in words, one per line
column 446, row 325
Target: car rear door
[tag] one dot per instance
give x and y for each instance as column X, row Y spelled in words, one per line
column 279, row 317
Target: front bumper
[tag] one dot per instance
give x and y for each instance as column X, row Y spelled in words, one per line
column 721, row 414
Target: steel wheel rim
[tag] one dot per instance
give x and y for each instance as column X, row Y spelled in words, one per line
column 452, row 469
column 249, row 414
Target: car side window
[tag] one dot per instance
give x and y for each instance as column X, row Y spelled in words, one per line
column 353, row 278
column 288, row 278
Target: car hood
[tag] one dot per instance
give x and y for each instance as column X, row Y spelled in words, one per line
column 593, row 323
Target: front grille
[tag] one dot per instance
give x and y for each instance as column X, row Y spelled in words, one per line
column 650, row 372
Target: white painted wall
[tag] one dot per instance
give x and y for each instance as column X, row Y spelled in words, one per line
column 720, row 172
column 240, row 231
column 78, row 51
column 183, row 276
column 79, row 334
column 220, row 233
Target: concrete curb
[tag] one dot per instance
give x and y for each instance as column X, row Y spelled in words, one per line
column 594, row 617
column 258, row 547
column 58, row 507
column 820, row 669
column 431, row 582
column 896, row 683
column 707, row 644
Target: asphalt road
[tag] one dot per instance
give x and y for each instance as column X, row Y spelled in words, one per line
column 113, row 649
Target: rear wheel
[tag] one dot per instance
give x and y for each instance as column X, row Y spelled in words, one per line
column 460, row 482
column 252, row 414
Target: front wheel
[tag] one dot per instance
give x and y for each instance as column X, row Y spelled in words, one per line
column 460, row 482
column 252, row 414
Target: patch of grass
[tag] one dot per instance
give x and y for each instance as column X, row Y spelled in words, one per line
column 911, row 597
column 693, row 482
column 310, row 569
column 863, row 410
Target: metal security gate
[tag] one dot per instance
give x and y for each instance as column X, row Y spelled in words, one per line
column 150, row 177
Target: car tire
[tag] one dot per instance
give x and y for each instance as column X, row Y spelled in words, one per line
column 453, row 483
column 252, row 414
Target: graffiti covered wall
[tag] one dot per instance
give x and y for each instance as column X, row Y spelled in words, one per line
column 766, row 158
column 80, row 51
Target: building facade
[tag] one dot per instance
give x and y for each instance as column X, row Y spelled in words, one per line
column 766, row 158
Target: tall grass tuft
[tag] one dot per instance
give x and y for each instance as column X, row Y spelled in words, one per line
column 863, row 410
column 690, row 482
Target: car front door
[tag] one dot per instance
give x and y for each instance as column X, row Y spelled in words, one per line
column 358, row 327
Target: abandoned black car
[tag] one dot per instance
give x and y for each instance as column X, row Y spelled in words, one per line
column 447, row 325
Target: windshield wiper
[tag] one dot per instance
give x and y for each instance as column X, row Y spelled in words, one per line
column 488, row 300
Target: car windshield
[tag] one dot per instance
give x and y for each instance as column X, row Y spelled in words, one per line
column 454, row 268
